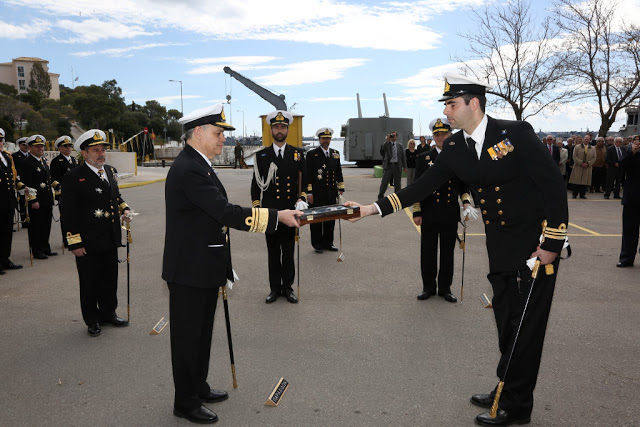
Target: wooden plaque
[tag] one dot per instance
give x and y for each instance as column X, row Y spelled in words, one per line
column 277, row 393
column 159, row 326
column 328, row 213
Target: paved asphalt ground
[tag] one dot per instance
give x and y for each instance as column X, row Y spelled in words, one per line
column 358, row 350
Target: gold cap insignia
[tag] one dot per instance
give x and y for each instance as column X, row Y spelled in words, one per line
column 38, row 139
column 447, row 88
column 438, row 124
column 280, row 117
column 224, row 119
column 97, row 137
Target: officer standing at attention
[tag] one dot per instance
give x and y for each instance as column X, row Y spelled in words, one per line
column 35, row 174
column 324, row 173
column 60, row 165
column 278, row 173
column 91, row 206
column 521, row 197
column 18, row 159
column 197, row 256
column 7, row 206
column 438, row 215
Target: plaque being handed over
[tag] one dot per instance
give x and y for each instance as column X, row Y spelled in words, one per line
column 328, row 213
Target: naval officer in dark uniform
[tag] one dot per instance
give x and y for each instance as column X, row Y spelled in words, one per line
column 18, row 158
column 630, row 203
column 279, row 172
column 35, row 174
column 524, row 208
column 197, row 256
column 60, row 165
column 92, row 206
column 324, row 174
column 8, row 184
column 438, row 216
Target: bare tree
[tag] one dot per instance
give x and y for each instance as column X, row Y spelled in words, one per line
column 519, row 56
column 605, row 60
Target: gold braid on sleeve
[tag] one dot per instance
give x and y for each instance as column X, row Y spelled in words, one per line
column 258, row 221
column 395, row 202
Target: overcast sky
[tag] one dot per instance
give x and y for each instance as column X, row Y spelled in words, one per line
column 318, row 53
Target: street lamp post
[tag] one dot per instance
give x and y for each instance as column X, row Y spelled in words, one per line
column 181, row 106
column 243, row 137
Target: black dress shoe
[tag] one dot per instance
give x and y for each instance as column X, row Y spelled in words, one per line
column 272, row 297
column 332, row 248
column 424, row 295
column 575, row 195
column 50, row 253
column 624, row 264
column 11, row 266
column 214, row 396
column 201, row 415
column 94, row 330
column 291, row 298
column 116, row 321
column 449, row 297
column 582, row 196
column 482, row 400
column 2, row 271
column 502, row 419
column 318, row 251
column 40, row 255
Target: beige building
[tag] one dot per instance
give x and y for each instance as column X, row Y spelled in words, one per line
column 17, row 74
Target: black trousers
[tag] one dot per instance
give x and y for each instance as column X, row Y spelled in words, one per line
column 22, row 207
column 98, row 274
column 392, row 171
column 431, row 233
column 40, row 228
column 192, row 311
column 598, row 178
column 614, row 180
column 509, row 297
column 280, row 248
column 630, row 230
column 7, row 212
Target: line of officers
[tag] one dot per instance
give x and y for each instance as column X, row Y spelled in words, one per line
column 30, row 186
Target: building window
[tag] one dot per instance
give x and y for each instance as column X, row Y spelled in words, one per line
column 20, row 71
column 22, row 85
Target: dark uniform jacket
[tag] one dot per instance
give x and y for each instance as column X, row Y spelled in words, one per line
column 36, row 174
column 631, row 165
column 517, row 192
column 196, row 246
column 441, row 205
column 60, row 166
column 91, row 209
column 282, row 192
column 7, row 182
column 18, row 159
column 324, row 176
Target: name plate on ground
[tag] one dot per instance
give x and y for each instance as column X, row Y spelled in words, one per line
column 277, row 393
column 486, row 302
column 159, row 326
column 328, row 213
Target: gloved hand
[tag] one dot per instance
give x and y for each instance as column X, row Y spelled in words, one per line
column 302, row 205
column 470, row 211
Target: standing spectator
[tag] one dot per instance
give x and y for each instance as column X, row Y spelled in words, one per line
column 238, row 152
column 584, row 155
column 609, row 141
column 552, row 148
column 564, row 155
column 8, row 176
column 599, row 167
column 438, row 216
column 91, row 207
column 570, row 147
column 631, row 204
column 324, row 174
column 411, row 154
column 197, row 256
column 279, row 171
column 37, row 176
column 423, row 146
column 393, row 163
column 614, row 169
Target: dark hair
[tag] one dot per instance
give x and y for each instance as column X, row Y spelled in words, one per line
column 481, row 99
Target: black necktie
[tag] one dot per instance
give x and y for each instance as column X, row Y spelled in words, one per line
column 280, row 154
column 472, row 146
column 619, row 153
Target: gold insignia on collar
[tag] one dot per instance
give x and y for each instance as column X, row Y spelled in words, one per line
column 447, row 88
column 98, row 213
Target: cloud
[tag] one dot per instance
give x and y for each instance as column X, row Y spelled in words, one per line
column 332, row 99
column 237, row 63
column 310, row 72
column 25, row 31
column 94, row 30
column 124, row 51
column 396, row 26
column 170, row 99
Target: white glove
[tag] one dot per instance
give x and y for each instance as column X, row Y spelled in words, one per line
column 302, row 205
column 341, row 199
column 32, row 191
column 470, row 211
column 129, row 213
